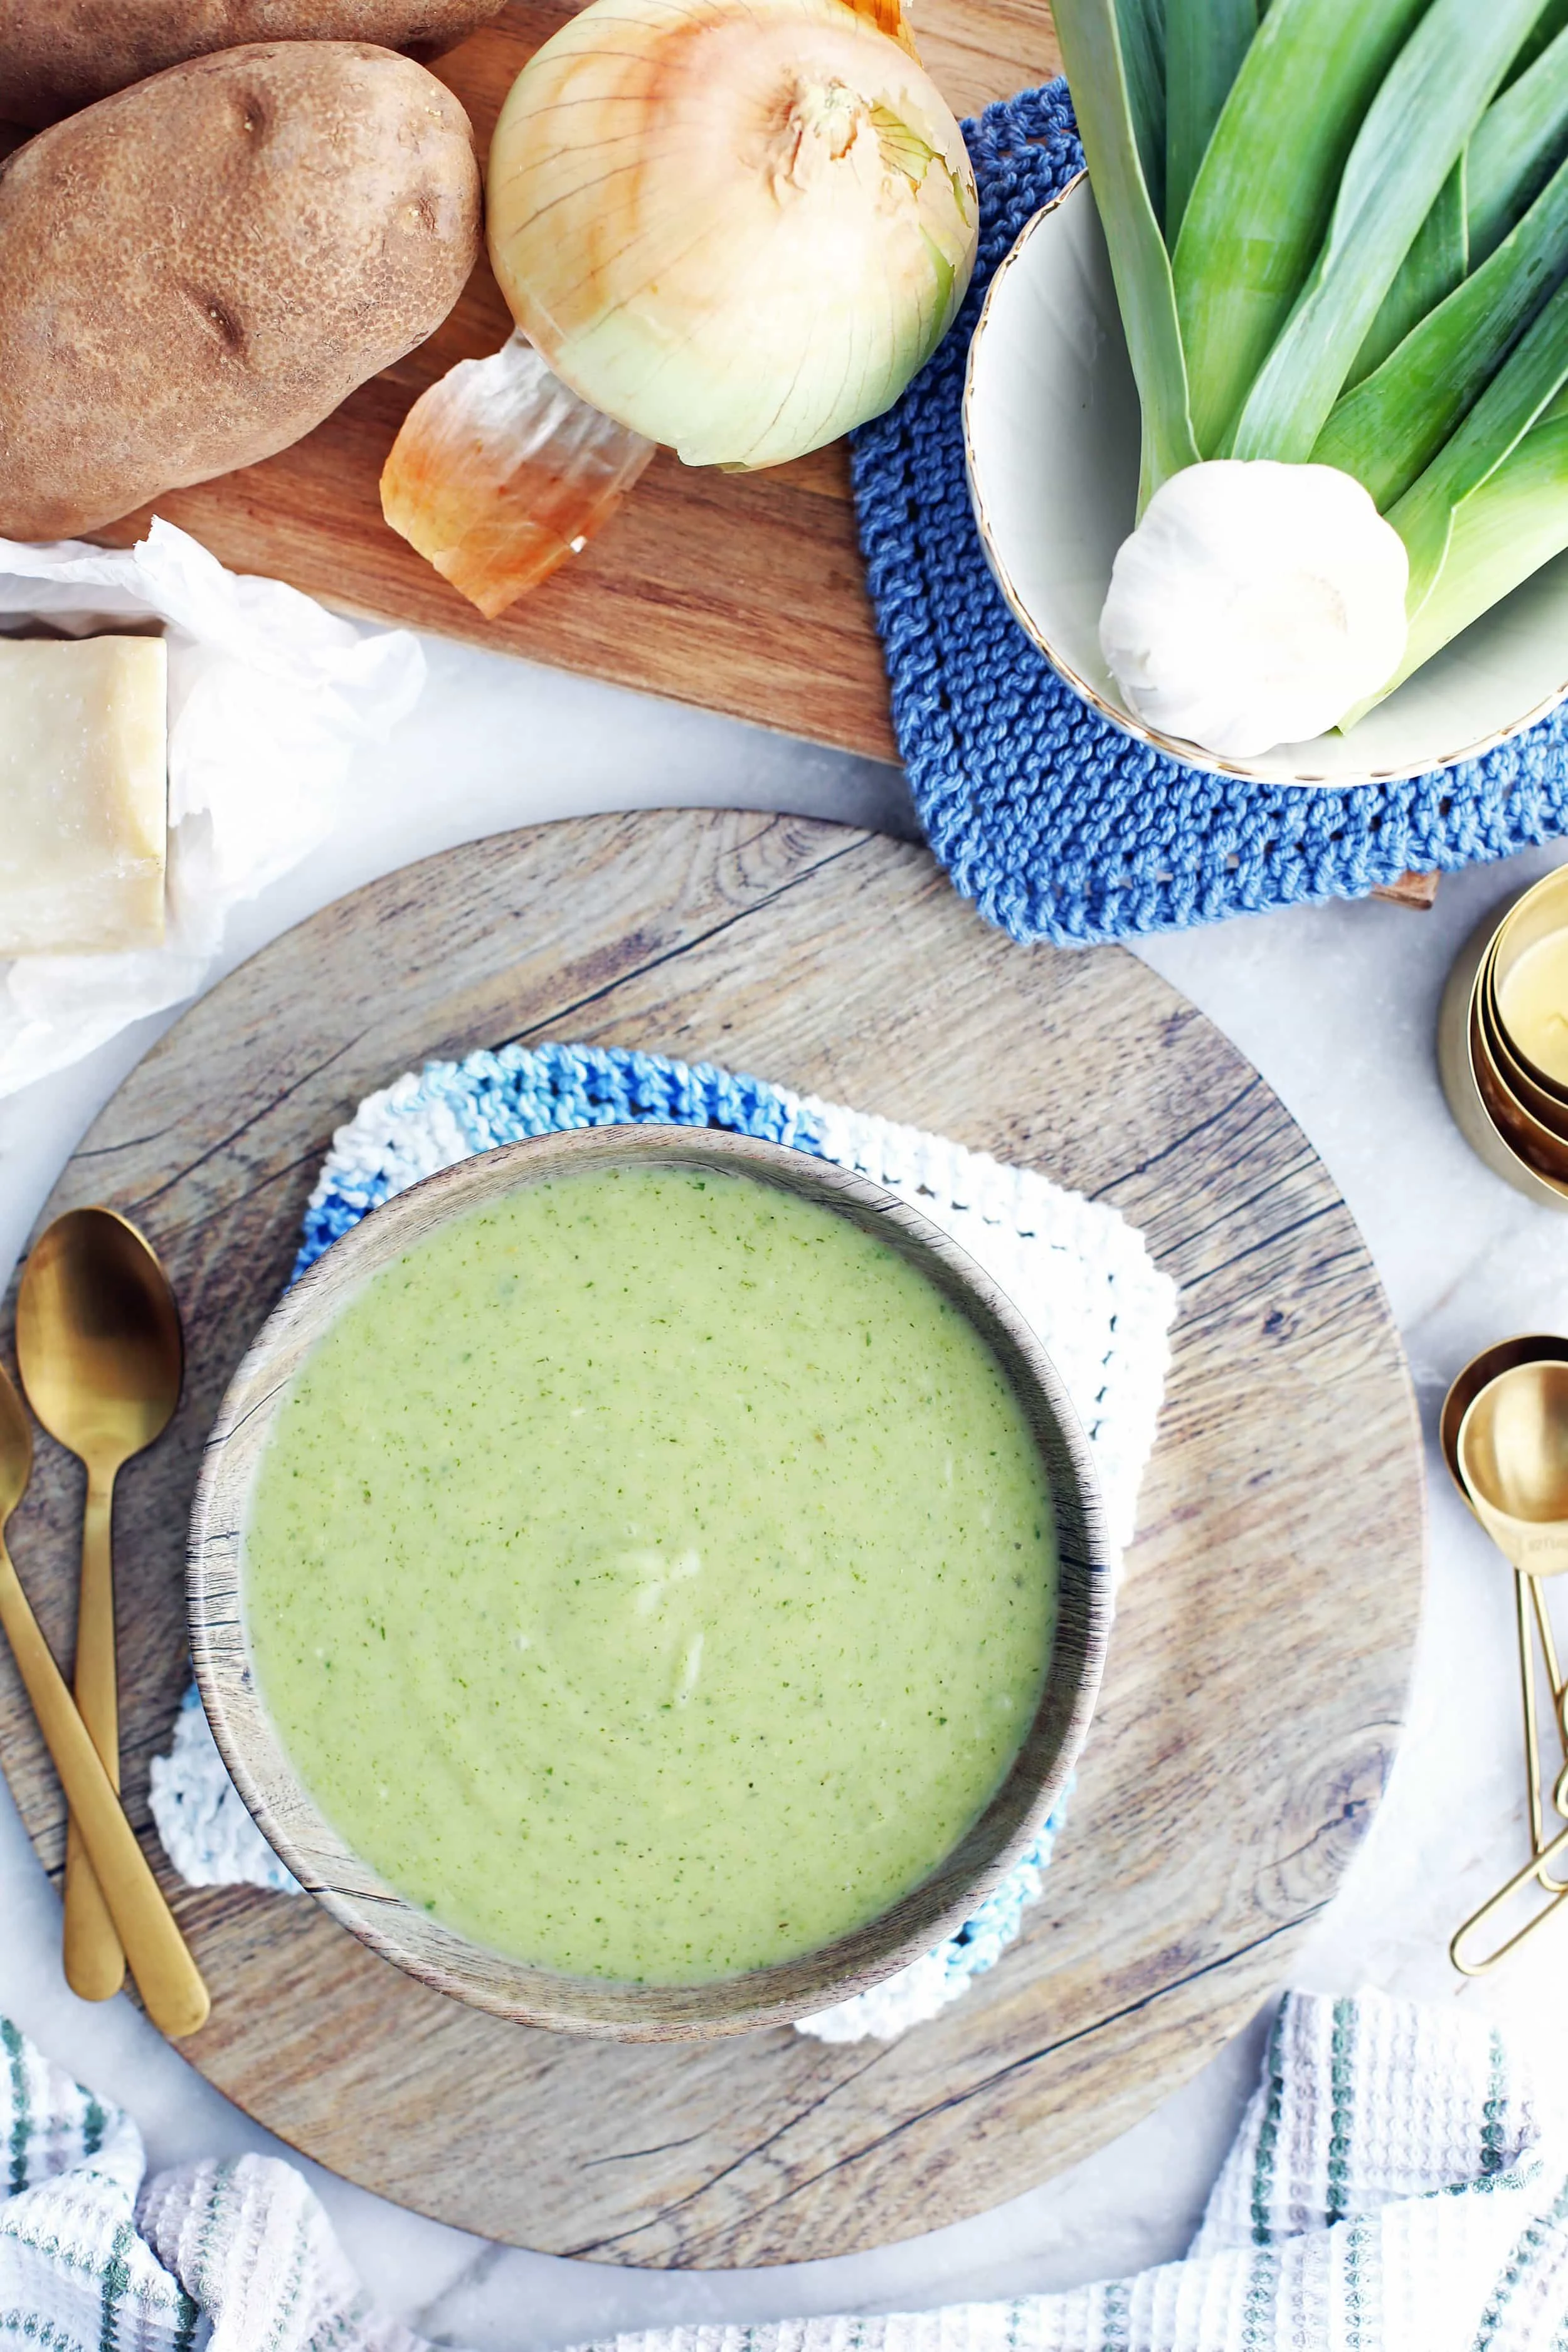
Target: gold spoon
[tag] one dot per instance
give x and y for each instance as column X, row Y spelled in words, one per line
column 170, row 1984
column 1504, row 1356
column 101, row 1357
column 1510, row 1454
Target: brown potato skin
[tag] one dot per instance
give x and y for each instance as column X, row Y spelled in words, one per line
column 59, row 56
column 200, row 269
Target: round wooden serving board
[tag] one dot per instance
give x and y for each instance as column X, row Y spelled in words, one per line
column 1259, row 1663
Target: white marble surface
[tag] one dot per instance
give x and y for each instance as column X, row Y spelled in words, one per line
column 1336, row 1005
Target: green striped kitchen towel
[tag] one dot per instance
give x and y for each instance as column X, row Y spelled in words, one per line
column 1392, row 2188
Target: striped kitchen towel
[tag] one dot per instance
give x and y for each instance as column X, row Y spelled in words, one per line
column 1393, row 2188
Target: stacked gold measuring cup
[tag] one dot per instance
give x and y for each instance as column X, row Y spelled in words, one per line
column 1503, row 1043
column 1502, row 1049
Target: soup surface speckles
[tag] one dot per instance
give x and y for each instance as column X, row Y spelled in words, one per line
column 651, row 1575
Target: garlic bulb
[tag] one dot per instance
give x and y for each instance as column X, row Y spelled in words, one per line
column 736, row 226
column 1256, row 603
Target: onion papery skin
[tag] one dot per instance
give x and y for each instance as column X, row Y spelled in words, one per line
column 737, row 230
column 500, row 473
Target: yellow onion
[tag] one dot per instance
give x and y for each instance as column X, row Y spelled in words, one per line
column 736, row 226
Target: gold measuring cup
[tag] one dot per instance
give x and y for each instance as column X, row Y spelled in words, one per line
column 1521, row 1127
column 1509, row 1093
column 1541, row 1102
column 1527, row 988
column 1504, row 1431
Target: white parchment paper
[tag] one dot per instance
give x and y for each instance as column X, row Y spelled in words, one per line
column 269, row 697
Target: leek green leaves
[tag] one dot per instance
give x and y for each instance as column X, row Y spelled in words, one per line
column 1092, row 37
column 1206, row 43
column 1518, row 143
column 1504, row 414
column 1141, row 27
column 1391, row 427
column 1339, row 231
column 1507, row 529
column 1429, row 272
column 1553, row 16
column 1265, row 191
column 1412, row 134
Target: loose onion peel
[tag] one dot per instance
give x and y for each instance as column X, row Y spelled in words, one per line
column 500, row 473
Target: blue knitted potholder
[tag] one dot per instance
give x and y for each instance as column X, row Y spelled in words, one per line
column 1056, row 824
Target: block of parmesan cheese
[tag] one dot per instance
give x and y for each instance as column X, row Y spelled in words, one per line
column 83, row 794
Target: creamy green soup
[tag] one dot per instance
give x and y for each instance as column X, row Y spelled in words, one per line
column 652, row 1575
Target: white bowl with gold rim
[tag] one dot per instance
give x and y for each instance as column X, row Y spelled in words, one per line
column 1050, row 443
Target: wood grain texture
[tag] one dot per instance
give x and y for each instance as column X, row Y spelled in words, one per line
column 1258, row 1665
column 1418, row 890
column 741, row 594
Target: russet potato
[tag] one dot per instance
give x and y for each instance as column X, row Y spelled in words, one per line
column 56, row 58
column 200, row 269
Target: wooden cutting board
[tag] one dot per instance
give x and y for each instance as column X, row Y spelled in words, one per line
column 744, row 595
column 1259, row 1661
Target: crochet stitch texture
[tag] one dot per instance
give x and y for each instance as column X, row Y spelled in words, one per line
column 1057, row 826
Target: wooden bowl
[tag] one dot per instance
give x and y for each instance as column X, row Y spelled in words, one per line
column 352, row 1893
column 1051, row 425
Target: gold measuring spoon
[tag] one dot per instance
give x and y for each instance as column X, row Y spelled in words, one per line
column 1504, row 1356
column 170, row 1984
column 1514, row 1458
column 1534, row 1873
column 101, row 1357
column 1511, row 1456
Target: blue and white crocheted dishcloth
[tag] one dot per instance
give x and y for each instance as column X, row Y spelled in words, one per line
column 1079, row 1275
column 1057, row 826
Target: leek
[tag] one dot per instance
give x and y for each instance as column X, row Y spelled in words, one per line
column 1206, row 42
column 1553, row 16
column 1091, row 39
column 1435, row 264
column 1412, row 134
column 1518, row 143
column 1141, row 27
column 1505, row 531
column 1266, row 188
column 1514, row 523
column 1391, row 426
column 1354, row 358
column 1511, row 404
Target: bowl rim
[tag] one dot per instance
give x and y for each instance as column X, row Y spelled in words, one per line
column 1175, row 747
column 352, row 1892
